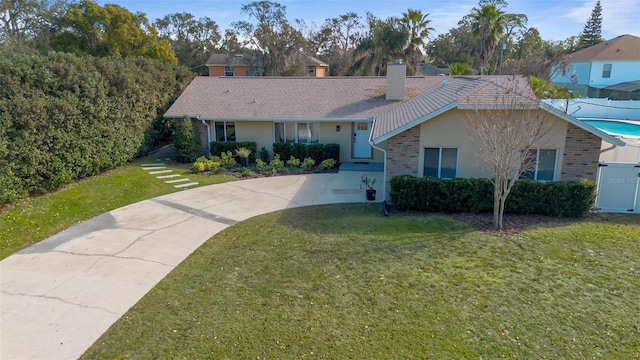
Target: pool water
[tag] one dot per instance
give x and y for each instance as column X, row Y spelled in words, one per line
column 615, row 127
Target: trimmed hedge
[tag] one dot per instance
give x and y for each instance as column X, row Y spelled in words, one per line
column 318, row 152
column 186, row 141
column 555, row 198
column 65, row 117
column 219, row 147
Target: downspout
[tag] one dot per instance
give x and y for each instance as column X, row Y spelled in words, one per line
column 384, row 167
column 204, row 122
column 608, row 149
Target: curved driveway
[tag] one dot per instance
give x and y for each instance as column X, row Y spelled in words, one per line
column 58, row 296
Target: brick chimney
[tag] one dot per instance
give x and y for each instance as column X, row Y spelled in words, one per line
column 396, row 80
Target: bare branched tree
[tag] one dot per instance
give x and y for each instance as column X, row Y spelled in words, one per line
column 505, row 129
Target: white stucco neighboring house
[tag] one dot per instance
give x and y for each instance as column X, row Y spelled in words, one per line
column 609, row 69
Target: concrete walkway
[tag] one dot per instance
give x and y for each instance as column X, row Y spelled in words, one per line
column 60, row 295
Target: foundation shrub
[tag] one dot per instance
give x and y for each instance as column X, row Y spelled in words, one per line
column 217, row 148
column 554, row 198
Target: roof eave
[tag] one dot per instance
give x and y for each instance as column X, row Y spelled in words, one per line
column 413, row 123
column 267, row 119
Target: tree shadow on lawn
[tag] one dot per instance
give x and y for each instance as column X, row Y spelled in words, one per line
column 516, row 223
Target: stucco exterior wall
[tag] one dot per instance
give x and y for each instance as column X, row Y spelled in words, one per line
column 319, row 71
column 262, row 132
column 451, row 130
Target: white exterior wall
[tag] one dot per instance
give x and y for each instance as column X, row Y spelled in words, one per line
column 621, row 71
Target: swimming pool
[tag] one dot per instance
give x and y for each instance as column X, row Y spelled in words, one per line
column 616, row 127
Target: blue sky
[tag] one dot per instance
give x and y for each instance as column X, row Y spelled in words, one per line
column 555, row 19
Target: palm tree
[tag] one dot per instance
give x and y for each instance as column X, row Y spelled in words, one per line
column 487, row 26
column 417, row 27
column 384, row 43
column 460, row 69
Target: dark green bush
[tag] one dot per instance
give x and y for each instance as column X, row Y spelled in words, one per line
column 264, row 154
column 64, row 117
column 331, row 151
column 282, row 149
column 299, row 151
column 554, row 198
column 186, row 141
column 219, row 147
column 316, row 152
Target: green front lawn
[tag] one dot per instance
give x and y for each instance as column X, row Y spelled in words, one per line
column 37, row 218
column 336, row 282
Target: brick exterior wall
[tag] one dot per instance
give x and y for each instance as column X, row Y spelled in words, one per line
column 403, row 153
column 581, row 154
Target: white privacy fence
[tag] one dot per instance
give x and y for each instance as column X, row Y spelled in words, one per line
column 618, row 188
column 598, row 108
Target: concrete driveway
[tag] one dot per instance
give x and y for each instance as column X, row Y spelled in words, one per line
column 60, row 295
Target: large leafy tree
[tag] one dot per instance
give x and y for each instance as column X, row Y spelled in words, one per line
column 592, row 32
column 487, row 26
column 335, row 39
column 384, row 42
column 111, row 30
column 277, row 44
column 456, row 46
column 416, row 24
column 193, row 40
column 26, row 25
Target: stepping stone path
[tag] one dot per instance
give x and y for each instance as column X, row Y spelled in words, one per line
column 163, row 173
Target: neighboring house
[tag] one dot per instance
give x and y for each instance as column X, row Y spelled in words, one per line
column 608, row 69
column 231, row 65
column 430, row 70
column 315, row 67
column 243, row 65
column 413, row 125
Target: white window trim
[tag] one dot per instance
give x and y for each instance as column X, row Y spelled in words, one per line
column 604, row 71
column 555, row 165
column 229, row 69
column 296, row 134
column 440, row 160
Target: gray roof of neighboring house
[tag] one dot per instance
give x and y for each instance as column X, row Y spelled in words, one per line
column 311, row 61
column 225, row 59
column 347, row 98
column 623, row 47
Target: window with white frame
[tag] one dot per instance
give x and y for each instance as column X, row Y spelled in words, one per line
column 311, row 70
column 540, row 164
column 228, row 71
column 606, row 71
column 302, row 132
column 440, row 162
column 224, row 131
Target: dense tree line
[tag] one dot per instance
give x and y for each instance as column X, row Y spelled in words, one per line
column 64, row 117
column 489, row 38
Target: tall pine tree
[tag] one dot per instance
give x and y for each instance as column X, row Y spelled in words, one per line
column 592, row 32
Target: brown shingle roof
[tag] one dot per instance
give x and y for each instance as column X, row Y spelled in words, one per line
column 623, row 47
column 264, row 98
